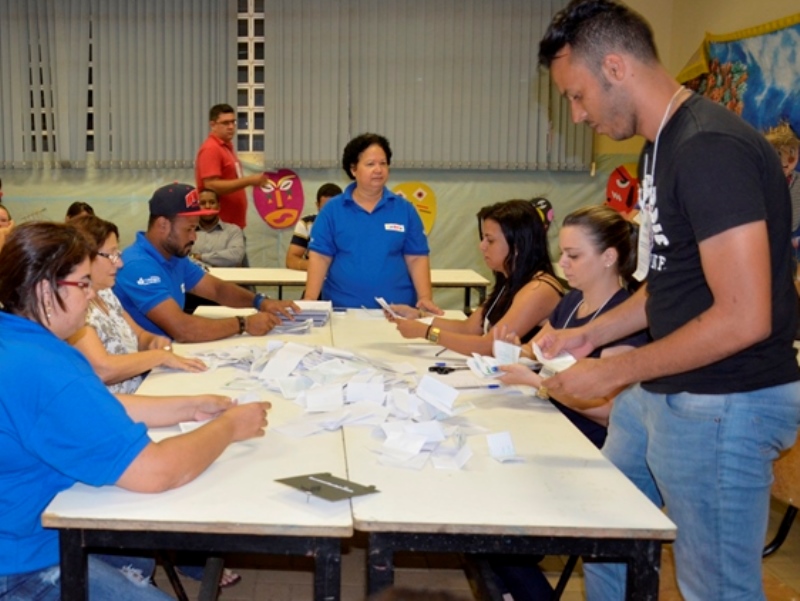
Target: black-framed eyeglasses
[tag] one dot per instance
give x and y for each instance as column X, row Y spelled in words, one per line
column 113, row 257
column 85, row 286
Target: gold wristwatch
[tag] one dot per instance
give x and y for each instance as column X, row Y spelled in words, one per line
column 433, row 335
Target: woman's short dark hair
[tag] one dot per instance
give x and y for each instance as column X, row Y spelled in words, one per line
column 33, row 253
column 528, row 252
column 77, row 208
column 608, row 229
column 358, row 145
column 95, row 230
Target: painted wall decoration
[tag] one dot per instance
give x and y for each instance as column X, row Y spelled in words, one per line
column 545, row 209
column 280, row 202
column 622, row 190
column 754, row 72
column 424, row 200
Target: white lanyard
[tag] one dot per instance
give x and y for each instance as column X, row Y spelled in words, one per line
column 647, row 201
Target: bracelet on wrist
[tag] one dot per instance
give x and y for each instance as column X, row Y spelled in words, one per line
column 259, row 298
column 242, row 324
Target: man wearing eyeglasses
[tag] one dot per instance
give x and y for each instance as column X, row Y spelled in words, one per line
column 218, row 168
column 158, row 273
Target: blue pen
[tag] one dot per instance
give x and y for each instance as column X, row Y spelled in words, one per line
column 484, row 387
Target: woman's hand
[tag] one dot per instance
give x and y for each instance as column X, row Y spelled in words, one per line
column 153, row 342
column 173, row 361
column 427, row 305
column 249, row 420
column 503, row 333
column 210, row 405
column 516, row 373
column 411, row 328
column 404, row 311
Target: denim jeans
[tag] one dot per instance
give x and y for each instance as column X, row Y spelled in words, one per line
column 708, row 460
column 111, row 578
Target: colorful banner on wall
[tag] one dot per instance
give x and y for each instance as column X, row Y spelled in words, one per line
column 754, row 72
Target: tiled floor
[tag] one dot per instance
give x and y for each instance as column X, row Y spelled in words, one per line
column 290, row 579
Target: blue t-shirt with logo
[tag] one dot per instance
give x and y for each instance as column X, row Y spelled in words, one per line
column 147, row 279
column 368, row 250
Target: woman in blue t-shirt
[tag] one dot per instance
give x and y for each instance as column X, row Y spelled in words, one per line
column 59, row 425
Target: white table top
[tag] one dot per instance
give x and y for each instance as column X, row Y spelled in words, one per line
column 563, row 487
column 238, row 493
column 440, row 278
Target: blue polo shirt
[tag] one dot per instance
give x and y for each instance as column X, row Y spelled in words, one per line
column 148, row 279
column 368, row 250
column 58, row 425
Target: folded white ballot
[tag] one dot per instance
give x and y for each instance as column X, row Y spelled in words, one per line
column 556, row 364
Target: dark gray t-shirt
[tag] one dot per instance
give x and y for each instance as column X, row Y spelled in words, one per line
column 714, row 172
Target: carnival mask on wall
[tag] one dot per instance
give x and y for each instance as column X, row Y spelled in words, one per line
column 281, row 201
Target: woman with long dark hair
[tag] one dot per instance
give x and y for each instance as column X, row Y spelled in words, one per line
column 525, row 291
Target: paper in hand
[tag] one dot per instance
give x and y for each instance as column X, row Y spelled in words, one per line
column 556, row 364
column 385, row 306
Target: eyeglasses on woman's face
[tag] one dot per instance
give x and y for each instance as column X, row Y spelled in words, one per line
column 113, row 257
column 81, row 284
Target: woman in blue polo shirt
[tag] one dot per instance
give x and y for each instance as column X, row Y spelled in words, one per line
column 59, row 425
column 368, row 241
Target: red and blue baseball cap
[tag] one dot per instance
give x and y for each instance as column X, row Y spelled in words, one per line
column 177, row 200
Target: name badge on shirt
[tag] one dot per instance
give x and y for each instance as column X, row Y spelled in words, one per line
column 395, row 227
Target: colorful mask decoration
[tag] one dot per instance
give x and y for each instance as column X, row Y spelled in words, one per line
column 622, row 191
column 423, row 199
column 545, row 209
column 280, row 202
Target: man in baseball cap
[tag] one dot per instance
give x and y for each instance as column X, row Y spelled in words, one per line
column 175, row 200
column 152, row 288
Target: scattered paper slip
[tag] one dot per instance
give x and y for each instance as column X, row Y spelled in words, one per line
column 501, row 447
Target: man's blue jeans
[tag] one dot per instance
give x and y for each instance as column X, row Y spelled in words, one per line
column 111, row 578
column 708, row 460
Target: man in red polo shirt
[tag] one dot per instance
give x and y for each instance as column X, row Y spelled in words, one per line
column 217, row 167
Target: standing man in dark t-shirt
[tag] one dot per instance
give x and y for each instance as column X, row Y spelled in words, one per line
column 218, row 168
column 719, row 396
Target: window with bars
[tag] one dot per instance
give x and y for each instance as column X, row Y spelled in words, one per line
column 250, row 56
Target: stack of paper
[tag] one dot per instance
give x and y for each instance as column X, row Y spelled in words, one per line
column 318, row 311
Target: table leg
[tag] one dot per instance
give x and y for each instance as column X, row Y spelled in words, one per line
column 212, row 574
column 280, row 292
column 643, row 570
column 74, row 566
column 328, row 570
column 380, row 563
column 467, row 299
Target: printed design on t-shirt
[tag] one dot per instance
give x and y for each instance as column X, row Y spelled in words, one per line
column 658, row 239
column 153, row 279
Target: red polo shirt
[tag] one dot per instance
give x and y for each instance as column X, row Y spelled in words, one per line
column 217, row 159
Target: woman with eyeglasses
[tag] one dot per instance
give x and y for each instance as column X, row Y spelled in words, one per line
column 59, row 425
column 120, row 351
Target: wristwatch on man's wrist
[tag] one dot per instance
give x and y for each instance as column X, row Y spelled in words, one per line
column 258, row 299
